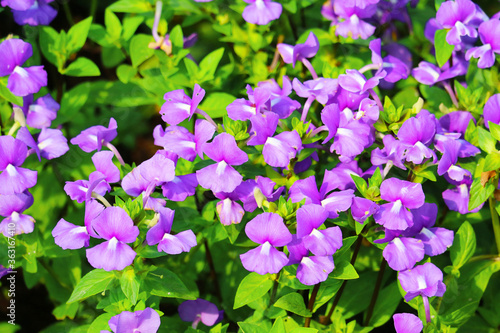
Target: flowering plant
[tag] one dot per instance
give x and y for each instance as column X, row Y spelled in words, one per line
column 250, row 166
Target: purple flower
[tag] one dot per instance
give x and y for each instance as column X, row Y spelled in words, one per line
column 39, row 114
column 117, row 228
column 435, row 240
column 176, row 139
column 52, row 143
column 280, row 149
column 403, row 253
column 179, row 106
column 22, row 81
column 280, row 102
column 393, row 151
column 93, row 138
column 490, row 111
column 300, row 52
column 222, row 177
column 350, row 136
column 426, row 281
column 70, row 236
column 200, row 310
column 447, row 164
column 407, row 323
column 268, row 230
column 181, row 187
column 258, row 101
column 262, row 188
column 13, row 178
column 161, row 234
column 147, row 320
column 17, row 4
column 396, row 64
column 12, row 207
column 40, row 13
column 320, row 242
column 261, row 11
column 416, row 133
column 352, row 24
column 457, row 16
column 401, row 195
column 457, row 199
column 362, row 208
column 106, row 172
column 334, row 202
column 4, row 271
column 311, row 269
column 356, row 82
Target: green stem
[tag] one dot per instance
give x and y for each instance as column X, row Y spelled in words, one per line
column 378, row 284
column 495, row 222
column 67, row 11
column 325, row 320
column 213, row 273
column 311, row 303
column 275, row 289
column 93, row 8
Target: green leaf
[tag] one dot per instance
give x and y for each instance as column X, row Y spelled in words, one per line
column 10, row 97
column 344, row 271
column 464, row 245
column 360, row 183
column 139, row 50
column 125, row 73
column 443, row 49
column 131, row 6
column 294, row 303
column 479, row 193
column 386, row 305
column 494, row 130
column 130, row 284
column 77, row 36
column 82, row 67
column 65, row 310
column 73, row 101
column 492, row 161
column 486, row 141
column 113, row 24
column 209, row 64
column 251, row 288
column 278, row 326
column 437, row 4
column 94, row 282
column 215, row 104
column 304, row 330
column 251, row 328
column 50, row 44
column 462, row 296
column 165, row 283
